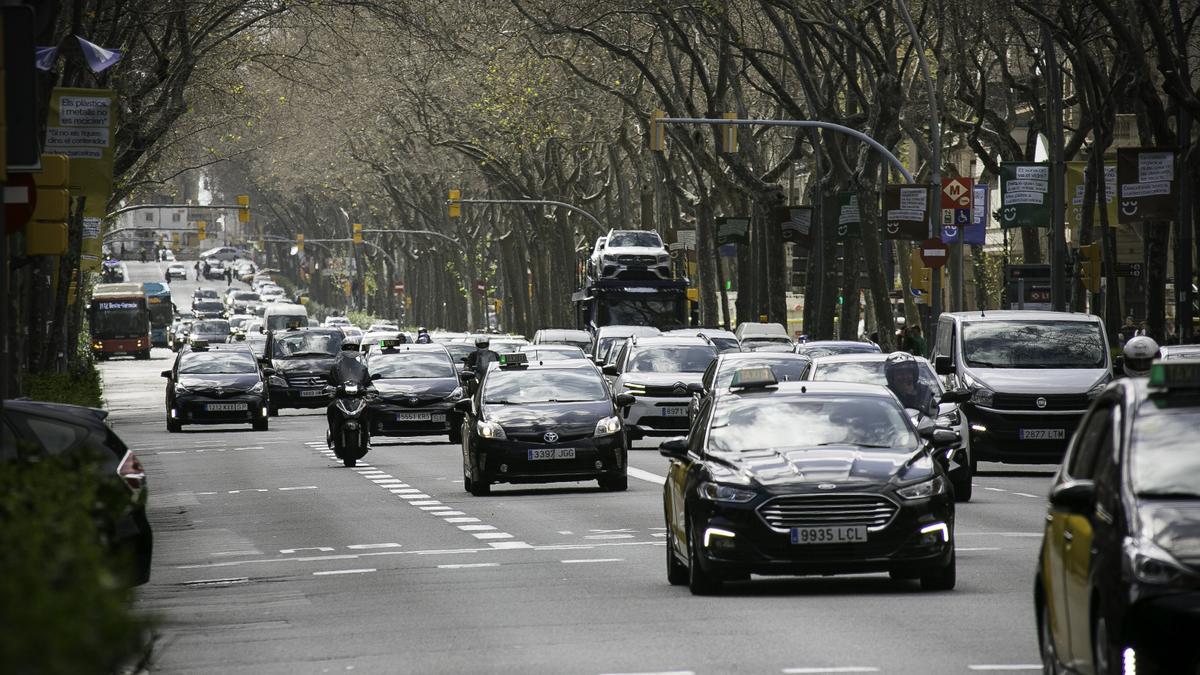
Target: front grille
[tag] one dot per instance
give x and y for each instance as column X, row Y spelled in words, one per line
column 1029, row 401
column 307, row 380
column 782, row 513
column 637, row 259
column 539, row 437
column 414, row 401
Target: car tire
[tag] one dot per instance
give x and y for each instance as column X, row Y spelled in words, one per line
column 677, row 572
column 350, row 462
column 480, row 488
column 262, row 424
column 700, row 580
column 1050, row 662
column 1107, row 659
column 455, row 434
column 940, row 578
column 174, row 427
column 614, row 483
column 961, row 480
column 272, row 411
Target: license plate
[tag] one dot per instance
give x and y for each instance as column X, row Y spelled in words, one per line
column 680, row 411
column 847, row 534
column 439, row 418
column 413, row 417
column 225, row 407
column 1042, row 434
column 309, row 393
column 551, row 453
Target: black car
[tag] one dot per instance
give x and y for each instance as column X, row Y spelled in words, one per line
column 208, row 309
column 1117, row 588
column 806, row 478
column 541, row 424
column 417, row 387
column 209, row 330
column 301, row 359
column 62, row 430
column 818, row 348
column 216, row 384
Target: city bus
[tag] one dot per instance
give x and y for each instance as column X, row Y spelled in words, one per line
column 162, row 312
column 119, row 321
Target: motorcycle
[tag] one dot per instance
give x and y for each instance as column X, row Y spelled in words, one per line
column 943, row 412
column 350, row 402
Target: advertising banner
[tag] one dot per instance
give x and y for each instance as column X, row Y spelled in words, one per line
column 906, row 212
column 1076, row 184
column 1146, row 184
column 1024, row 194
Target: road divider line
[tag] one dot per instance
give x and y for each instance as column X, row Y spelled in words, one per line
column 645, row 475
column 462, row 519
column 358, row 571
column 363, row 547
column 300, row 487
column 1006, row 667
column 463, row 566
column 591, row 560
column 832, row 669
column 1026, row 494
column 216, row 582
column 476, row 528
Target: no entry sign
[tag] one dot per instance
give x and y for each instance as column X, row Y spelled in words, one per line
column 934, row 253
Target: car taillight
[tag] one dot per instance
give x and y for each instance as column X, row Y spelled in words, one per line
column 131, row 472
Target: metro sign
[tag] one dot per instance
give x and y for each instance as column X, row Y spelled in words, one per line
column 957, row 193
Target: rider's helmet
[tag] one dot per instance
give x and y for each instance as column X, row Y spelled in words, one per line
column 482, row 342
column 1140, row 352
column 900, row 363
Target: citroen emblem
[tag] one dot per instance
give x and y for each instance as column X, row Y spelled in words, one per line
column 550, row 437
column 825, row 486
column 1040, row 402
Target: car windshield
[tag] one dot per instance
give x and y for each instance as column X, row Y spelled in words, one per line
column 505, row 347
column 411, row 365
column 756, row 424
column 639, row 239
column 214, row 327
column 303, row 344
column 553, row 354
column 459, row 351
column 727, row 344
column 521, row 386
column 116, row 319
column 217, row 363
column 247, row 296
column 671, row 359
column 207, row 293
column 785, row 370
column 1033, row 344
column 817, row 351
column 1163, row 459
column 871, row 372
column 208, row 306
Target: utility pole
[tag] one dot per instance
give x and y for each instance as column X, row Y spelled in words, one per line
column 1183, row 242
column 1054, row 134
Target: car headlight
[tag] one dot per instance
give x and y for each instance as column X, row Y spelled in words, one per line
column 716, row 492
column 257, row 388
column 664, row 258
column 1150, row 564
column 1099, row 388
column 608, row 426
column 950, row 419
column 924, row 489
column 981, row 395
column 180, row 389
column 490, row 430
column 634, row 387
column 278, row 382
column 455, row 395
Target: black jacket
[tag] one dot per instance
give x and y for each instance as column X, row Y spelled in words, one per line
column 478, row 360
column 346, row 368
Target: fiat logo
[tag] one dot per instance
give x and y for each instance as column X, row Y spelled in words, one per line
column 551, row 437
column 1040, row 402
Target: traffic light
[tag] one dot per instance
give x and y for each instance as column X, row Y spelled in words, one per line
column 920, row 277
column 358, row 233
column 201, row 235
column 46, row 231
column 1089, row 267
column 243, row 208
column 658, row 134
column 455, row 204
column 299, row 243
column 729, row 140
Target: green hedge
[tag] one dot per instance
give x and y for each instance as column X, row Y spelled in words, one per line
column 65, row 611
column 80, row 386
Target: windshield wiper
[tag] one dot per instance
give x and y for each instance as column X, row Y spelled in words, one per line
column 986, row 364
column 310, row 353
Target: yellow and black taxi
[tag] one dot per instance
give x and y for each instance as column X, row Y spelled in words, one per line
column 801, row 478
column 556, row 421
column 418, row 386
column 218, row 383
column 1118, row 579
column 301, row 359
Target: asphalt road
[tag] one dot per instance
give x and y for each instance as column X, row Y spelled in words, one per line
column 271, row 557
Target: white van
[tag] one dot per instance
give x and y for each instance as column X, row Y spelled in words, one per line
column 278, row 315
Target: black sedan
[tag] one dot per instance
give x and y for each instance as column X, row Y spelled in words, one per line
column 541, row 424
column 216, row 385
column 418, row 387
column 806, row 478
column 301, row 359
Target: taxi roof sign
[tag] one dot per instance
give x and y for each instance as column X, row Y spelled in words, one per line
column 753, row 378
column 514, row 359
column 199, row 345
column 1178, row 374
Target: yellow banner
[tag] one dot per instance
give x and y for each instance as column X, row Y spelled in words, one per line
column 81, row 126
column 1075, row 187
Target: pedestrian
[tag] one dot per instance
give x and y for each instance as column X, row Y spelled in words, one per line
column 228, row 276
column 198, row 270
column 916, row 343
column 1127, row 331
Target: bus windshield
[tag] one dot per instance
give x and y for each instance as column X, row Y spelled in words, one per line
column 119, row 319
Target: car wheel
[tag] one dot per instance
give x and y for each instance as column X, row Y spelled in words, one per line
column 940, row 578
column 1050, row 663
column 700, row 580
column 677, row 572
column 272, row 411
column 961, row 480
column 261, row 425
column 614, row 483
column 480, row 488
column 455, row 434
column 349, row 461
column 174, row 427
column 1107, row 655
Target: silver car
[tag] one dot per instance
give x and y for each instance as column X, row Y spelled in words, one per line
column 661, row 373
column 634, row 255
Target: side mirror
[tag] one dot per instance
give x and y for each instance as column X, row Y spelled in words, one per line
column 624, row 400
column 166, row 374
column 268, row 371
column 943, row 365
column 695, row 388
column 955, row 396
column 467, row 376
column 611, row 369
column 463, row 406
column 942, row 438
column 925, row 427
column 376, row 376
column 674, row 448
column 1077, row 496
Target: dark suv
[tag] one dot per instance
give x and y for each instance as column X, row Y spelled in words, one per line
column 301, row 359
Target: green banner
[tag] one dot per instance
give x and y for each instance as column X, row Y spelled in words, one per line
column 1024, row 195
column 843, row 214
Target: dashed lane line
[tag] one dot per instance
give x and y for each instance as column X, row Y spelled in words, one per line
column 832, row 669
column 641, row 474
column 1007, row 667
column 591, row 560
column 467, row 566
column 363, row 547
column 358, row 571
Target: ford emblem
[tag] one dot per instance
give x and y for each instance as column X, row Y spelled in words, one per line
column 1040, row 402
column 825, row 486
column 550, row 437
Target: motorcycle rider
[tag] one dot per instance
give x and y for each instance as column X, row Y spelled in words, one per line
column 1140, row 351
column 903, row 375
column 346, row 369
column 479, row 360
column 423, row 336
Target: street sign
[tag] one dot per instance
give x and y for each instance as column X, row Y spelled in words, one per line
column 905, row 210
column 795, row 223
column 1146, row 184
column 956, row 193
column 733, row 230
column 934, row 253
column 1131, row 270
column 20, row 199
column 843, row 213
column 1024, row 194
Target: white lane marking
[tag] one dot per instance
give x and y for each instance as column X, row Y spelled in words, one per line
column 995, row 489
column 492, row 535
column 1026, row 494
column 286, row 551
column 361, row 547
column 832, row 669
column 387, row 482
column 449, row 513
column 658, row 534
column 234, row 492
column 405, row 491
column 476, row 528
column 565, row 532
column 1008, row 667
column 434, row 509
column 426, row 502
column 463, row 519
column 609, row 536
column 233, row 553
column 207, row 582
column 463, row 566
column 250, row 447
column 645, row 475
column 417, row 496
column 359, row 571
column 591, row 560
column 565, row 547
column 509, row 544
column 204, row 493
column 300, row 487
column 980, row 548
column 171, row 452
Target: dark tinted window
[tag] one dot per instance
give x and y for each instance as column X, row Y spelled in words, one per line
column 411, row 365
column 543, row 386
column 211, row 327
column 302, row 344
column 53, row 435
column 208, row 306
column 222, row 362
column 645, row 239
column 1164, row 459
column 1033, row 344
column 774, row 423
column 786, row 370
column 670, row 359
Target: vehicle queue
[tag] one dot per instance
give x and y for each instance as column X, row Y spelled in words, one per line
column 796, row 459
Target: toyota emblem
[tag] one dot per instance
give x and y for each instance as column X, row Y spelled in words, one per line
column 1040, row 402
column 551, row 437
column 412, row 400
